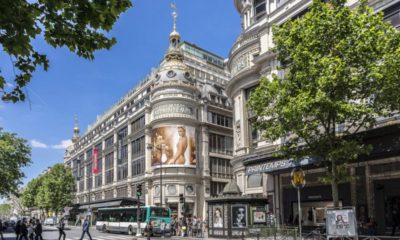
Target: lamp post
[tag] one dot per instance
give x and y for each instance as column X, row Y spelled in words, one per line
column 161, row 186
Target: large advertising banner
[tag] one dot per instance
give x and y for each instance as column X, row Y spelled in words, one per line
column 174, row 145
column 341, row 222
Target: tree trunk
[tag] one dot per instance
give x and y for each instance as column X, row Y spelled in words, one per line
column 335, row 190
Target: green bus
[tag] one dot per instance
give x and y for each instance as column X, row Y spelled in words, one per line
column 124, row 219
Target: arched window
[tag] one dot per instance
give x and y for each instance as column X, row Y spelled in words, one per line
column 259, row 8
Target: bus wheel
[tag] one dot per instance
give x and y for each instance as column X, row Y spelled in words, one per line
column 104, row 229
column 130, row 230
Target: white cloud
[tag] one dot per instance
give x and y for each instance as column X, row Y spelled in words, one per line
column 63, row 144
column 38, row 144
column 10, row 85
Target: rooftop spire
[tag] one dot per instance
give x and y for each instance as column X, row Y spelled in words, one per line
column 174, row 36
column 75, row 137
column 174, row 14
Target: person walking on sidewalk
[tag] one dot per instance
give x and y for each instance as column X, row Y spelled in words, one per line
column 148, row 230
column 1, row 230
column 24, row 230
column 61, row 226
column 85, row 228
column 18, row 229
column 38, row 230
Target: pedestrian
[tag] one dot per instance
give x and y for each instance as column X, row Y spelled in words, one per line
column 85, row 228
column 1, row 230
column 24, row 230
column 61, row 226
column 38, row 230
column 395, row 219
column 162, row 228
column 148, row 230
column 30, row 229
column 18, row 229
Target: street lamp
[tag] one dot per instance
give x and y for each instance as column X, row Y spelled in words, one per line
column 160, row 147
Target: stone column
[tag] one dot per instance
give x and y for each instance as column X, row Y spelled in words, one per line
column 353, row 186
column 115, row 156
column 103, row 167
column 85, row 175
column 370, row 191
column 129, row 146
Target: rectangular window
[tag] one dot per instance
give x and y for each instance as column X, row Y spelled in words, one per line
column 220, row 119
column 138, row 124
column 109, row 168
column 138, row 167
column 216, row 188
column 123, row 133
column 99, row 149
column 220, row 144
column 138, row 147
column 220, row 168
column 109, row 142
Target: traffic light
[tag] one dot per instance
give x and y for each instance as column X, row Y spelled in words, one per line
column 181, row 198
column 139, row 190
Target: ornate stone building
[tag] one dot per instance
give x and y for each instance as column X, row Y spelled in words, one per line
column 172, row 134
column 258, row 173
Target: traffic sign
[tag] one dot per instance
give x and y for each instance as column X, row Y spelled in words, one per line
column 298, row 178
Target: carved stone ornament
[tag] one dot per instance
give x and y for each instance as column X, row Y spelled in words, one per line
column 171, row 189
column 187, row 76
column 237, row 131
column 171, row 74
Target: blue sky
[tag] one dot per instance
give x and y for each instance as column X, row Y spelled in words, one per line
column 88, row 88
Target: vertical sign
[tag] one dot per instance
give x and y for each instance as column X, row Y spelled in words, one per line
column 95, row 169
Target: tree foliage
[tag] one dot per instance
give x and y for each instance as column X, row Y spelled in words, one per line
column 52, row 191
column 341, row 72
column 5, row 209
column 59, row 186
column 14, row 155
column 79, row 25
column 30, row 192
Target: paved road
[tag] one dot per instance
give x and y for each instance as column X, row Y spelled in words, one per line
column 51, row 233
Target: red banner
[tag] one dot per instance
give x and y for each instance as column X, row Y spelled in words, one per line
column 95, row 166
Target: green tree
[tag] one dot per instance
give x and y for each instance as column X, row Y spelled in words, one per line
column 30, row 192
column 5, row 209
column 14, row 155
column 57, row 190
column 79, row 25
column 341, row 72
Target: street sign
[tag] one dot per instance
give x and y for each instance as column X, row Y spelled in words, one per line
column 298, row 178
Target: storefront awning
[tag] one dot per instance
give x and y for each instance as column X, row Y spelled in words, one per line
column 109, row 203
column 277, row 165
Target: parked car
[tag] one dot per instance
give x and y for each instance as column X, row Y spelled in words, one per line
column 49, row 222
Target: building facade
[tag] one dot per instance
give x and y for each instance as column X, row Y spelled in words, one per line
column 172, row 134
column 258, row 173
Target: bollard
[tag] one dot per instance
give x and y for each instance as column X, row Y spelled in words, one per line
column 242, row 234
column 258, row 236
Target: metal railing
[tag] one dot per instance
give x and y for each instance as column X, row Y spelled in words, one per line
column 272, row 233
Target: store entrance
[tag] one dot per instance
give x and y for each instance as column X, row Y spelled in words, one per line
column 387, row 205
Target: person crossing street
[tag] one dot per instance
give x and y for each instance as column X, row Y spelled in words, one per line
column 85, row 228
column 61, row 226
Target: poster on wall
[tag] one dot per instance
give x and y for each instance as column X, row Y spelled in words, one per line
column 312, row 213
column 218, row 217
column 259, row 216
column 174, row 145
column 341, row 222
column 239, row 216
